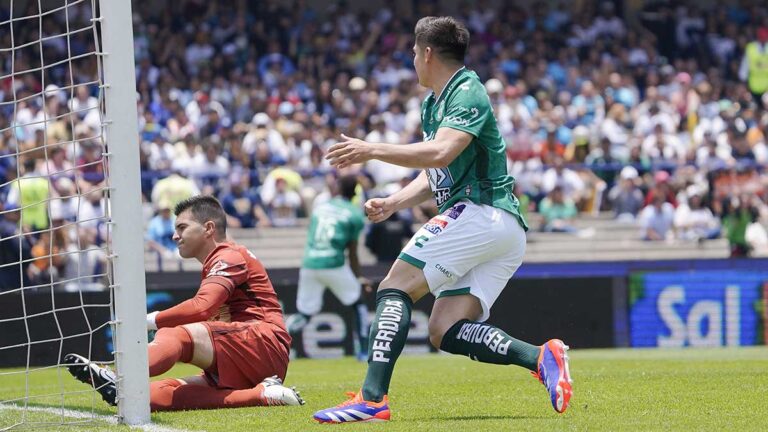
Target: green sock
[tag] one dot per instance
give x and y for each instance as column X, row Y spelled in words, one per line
column 389, row 331
column 489, row 344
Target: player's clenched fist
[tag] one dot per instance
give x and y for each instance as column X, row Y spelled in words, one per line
column 378, row 209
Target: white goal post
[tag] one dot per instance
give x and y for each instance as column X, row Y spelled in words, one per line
column 72, row 276
column 125, row 200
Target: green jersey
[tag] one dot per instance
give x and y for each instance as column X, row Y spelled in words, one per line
column 333, row 226
column 479, row 173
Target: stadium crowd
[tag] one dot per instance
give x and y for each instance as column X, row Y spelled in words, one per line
column 659, row 118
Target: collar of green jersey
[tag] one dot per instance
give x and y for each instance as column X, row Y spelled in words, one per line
column 449, row 85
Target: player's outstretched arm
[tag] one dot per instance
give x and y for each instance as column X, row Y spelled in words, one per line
column 437, row 153
column 199, row 308
column 416, row 192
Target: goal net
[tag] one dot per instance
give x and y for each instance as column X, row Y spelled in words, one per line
column 71, row 261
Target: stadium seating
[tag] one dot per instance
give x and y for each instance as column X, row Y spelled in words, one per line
column 610, row 241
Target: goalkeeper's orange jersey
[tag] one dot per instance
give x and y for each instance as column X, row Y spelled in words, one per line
column 251, row 295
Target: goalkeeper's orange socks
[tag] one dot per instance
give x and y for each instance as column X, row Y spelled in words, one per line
column 171, row 345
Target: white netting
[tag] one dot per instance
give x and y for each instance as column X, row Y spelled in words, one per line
column 56, row 292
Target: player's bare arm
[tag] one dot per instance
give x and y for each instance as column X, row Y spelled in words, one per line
column 437, row 153
column 416, row 192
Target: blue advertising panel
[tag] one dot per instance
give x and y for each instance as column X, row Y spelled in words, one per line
column 699, row 308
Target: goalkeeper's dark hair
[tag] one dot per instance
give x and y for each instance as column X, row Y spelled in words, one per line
column 205, row 208
column 448, row 37
column 347, row 185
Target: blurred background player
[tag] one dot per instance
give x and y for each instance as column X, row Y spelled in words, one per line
column 466, row 254
column 232, row 329
column 334, row 228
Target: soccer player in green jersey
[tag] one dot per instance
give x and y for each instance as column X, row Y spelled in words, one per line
column 465, row 255
column 333, row 229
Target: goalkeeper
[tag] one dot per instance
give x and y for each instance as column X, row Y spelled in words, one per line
column 232, row 329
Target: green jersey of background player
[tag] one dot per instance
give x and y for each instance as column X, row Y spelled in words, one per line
column 334, row 228
column 465, row 255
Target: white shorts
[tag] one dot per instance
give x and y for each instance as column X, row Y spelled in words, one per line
column 313, row 282
column 468, row 249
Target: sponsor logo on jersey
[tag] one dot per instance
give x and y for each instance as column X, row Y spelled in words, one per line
column 435, row 225
column 455, row 211
column 458, row 121
column 463, row 119
column 218, row 269
column 444, row 270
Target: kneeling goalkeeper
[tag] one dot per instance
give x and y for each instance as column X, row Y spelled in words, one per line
column 232, row 328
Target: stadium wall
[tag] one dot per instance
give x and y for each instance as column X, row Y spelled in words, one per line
column 672, row 303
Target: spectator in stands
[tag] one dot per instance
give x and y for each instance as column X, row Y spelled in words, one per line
column 210, row 168
column 590, row 106
column 174, row 189
column 49, row 254
column 672, row 94
column 161, row 153
column 65, row 206
column 83, row 102
column 656, row 220
column 242, row 204
column 160, row 231
column 754, row 66
column 57, row 167
column 662, row 187
column 14, row 248
column 707, row 156
column 557, row 212
column 738, row 215
column 756, row 236
column 91, row 165
column 663, row 147
column 264, row 139
column 740, row 148
column 293, row 183
column 92, row 210
column 551, row 148
column 693, row 221
column 625, row 198
column 383, row 173
column 86, row 265
column 615, row 128
column 569, row 181
column 602, row 162
column 30, row 193
column 284, row 205
column 520, row 139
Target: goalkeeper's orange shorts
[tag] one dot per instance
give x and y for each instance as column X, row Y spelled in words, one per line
column 246, row 353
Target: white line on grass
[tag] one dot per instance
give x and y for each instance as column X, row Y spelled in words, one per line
column 86, row 415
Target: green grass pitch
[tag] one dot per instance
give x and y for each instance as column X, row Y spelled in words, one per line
column 614, row 390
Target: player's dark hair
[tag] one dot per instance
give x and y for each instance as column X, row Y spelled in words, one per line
column 347, row 185
column 445, row 35
column 204, row 208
